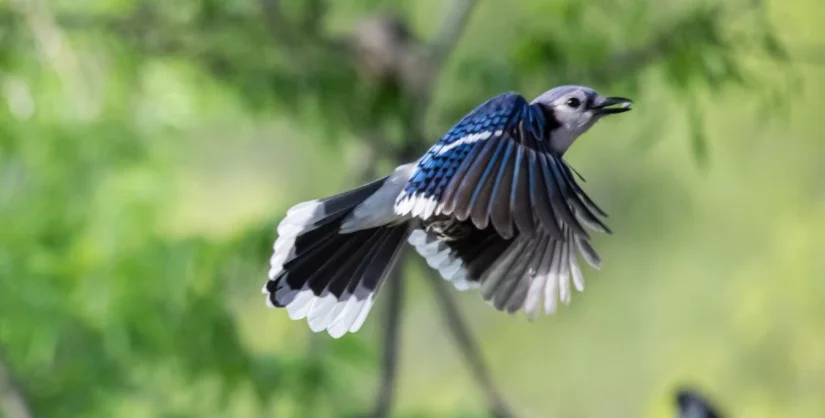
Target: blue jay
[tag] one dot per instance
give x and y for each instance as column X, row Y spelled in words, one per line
column 491, row 206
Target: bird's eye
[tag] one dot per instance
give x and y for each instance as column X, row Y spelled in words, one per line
column 574, row 102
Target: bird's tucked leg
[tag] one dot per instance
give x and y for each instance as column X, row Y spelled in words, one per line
column 448, row 229
column 457, row 250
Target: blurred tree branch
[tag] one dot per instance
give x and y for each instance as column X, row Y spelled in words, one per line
column 469, row 350
column 699, row 29
column 807, row 53
column 452, row 27
column 451, row 30
column 12, row 402
column 277, row 24
column 392, row 330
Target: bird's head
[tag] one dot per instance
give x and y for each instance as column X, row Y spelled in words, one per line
column 574, row 110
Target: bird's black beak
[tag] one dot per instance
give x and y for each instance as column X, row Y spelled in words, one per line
column 611, row 105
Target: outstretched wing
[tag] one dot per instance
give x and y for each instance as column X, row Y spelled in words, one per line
column 495, row 168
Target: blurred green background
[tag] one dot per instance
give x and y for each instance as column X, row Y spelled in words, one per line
column 148, row 148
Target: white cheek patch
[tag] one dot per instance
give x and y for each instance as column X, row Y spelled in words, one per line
column 573, row 124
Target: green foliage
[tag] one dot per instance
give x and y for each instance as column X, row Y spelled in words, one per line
column 107, row 309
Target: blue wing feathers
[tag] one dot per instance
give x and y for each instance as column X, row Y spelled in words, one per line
column 498, row 210
column 481, row 207
column 453, row 183
column 539, row 199
column 495, row 167
column 466, row 190
column 448, row 152
column 574, row 196
column 520, row 193
column 483, row 188
column 568, row 175
column 557, row 198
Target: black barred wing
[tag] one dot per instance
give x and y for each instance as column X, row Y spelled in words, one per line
column 495, row 168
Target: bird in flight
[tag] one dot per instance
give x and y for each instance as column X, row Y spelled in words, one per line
column 492, row 206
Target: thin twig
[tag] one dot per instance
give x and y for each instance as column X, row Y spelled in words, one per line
column 498, row 407
column 277, row 24
column 626, row 63
column 313, row 15
column 452, row 27
column 807, row 53
column 389, row 361
column 57, row 52
column 12, row 402
column 451, row 30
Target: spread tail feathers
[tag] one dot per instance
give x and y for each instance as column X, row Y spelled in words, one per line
column 327, row 271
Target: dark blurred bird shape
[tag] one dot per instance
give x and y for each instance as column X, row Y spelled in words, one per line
column 492, row 206
column 691, row 404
